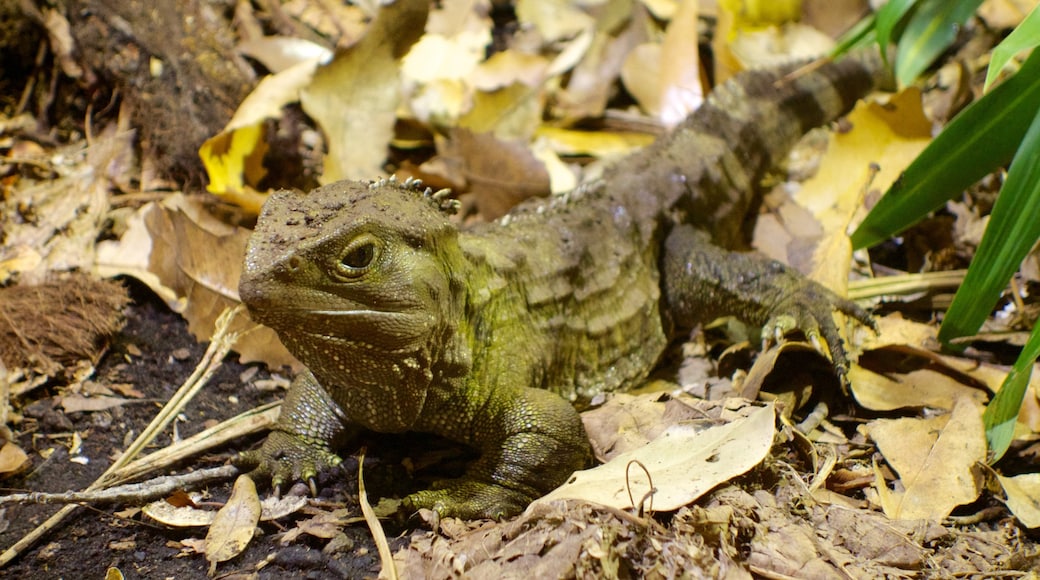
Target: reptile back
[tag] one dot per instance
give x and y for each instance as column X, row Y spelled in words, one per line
column 579, row 275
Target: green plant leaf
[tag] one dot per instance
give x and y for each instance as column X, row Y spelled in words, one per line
column 1012, row 230
column 1001, row 413
column 930, row 30
column 1025, row 36
column 979, row 140
column 861, row 34
column 888, row 17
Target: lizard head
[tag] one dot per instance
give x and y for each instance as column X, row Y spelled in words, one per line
column 356, row 279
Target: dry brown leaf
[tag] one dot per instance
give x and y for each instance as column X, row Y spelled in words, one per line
column 916, row 389
column 234, row 524
column 364, row 81
column 189, row 516
column 68, row 212
column 937, row 460
column 618, row 30
column 684, row 462
column 324, row 524
column 193, row 261
column 12, row 459
column 500, row 173
column 76, row 403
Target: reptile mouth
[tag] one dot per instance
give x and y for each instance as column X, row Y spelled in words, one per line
column 367, row 326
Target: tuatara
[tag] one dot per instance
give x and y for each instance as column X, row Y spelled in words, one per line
column 489, row 335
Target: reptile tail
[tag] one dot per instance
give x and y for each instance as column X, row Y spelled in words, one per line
column 707, row 171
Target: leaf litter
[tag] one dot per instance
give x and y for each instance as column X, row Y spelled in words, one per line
column 492, row 111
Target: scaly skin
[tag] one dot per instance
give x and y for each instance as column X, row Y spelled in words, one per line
column 487, row 336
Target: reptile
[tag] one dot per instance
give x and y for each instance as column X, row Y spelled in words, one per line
column 492, row 334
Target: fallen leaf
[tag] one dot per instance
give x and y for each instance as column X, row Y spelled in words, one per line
column 553, row 19
column 916, row 389
column 593, row 143
column 280, row 53
column 234, row 524
column 324, row 524
column 193, row 261
column 76, row 403
column 501, row 173
column 618, row 30
column 684, row 462
column 937, row 460
column 12, row 459
column 234, row 157
column 887, row 136
column 1023, row 497
column 189, row 516
column 365, row 81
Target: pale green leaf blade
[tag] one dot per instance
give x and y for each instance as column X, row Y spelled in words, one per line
column 1002, row 411
column 1012, row 231
column 888, row 17
column 1024, row 37
column 930, row 30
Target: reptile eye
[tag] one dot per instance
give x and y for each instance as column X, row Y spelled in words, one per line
column 358, row 256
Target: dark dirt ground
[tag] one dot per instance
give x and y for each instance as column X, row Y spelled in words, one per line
column 94, row 539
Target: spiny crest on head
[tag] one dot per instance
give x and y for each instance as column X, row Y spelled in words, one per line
column 440, row 198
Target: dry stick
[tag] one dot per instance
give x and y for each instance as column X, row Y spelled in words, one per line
column 252, row 421
column 221, row 342
column 133, row 492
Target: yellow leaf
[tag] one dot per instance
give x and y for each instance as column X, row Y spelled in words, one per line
column 234, row 157
column 234, row 524
column 1023, row 497
column 595, row 143
column 937, row 460
column 886, row 136
column 354, row 98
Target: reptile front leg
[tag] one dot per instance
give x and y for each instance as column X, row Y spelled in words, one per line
column 530, row 440
column 702, row 281
column 300, row 446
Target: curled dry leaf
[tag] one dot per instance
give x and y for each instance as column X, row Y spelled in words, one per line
column 1023, row 497
column 187, row 516
column 13, row 459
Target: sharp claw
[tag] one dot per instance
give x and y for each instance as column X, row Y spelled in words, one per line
column 814, row 339
column 276, row 488
column 313, row 485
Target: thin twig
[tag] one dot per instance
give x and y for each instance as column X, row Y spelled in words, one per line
column 134, row 492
